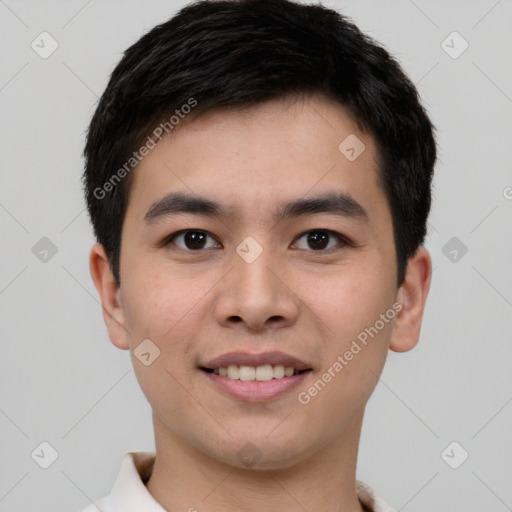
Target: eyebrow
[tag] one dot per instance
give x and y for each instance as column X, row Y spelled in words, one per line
column 176, row 203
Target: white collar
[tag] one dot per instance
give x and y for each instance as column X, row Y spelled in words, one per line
column 129, row 493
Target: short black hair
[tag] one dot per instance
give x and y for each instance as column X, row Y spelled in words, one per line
column 240, row 53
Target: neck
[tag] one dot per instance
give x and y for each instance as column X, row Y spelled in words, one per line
column 185, row 478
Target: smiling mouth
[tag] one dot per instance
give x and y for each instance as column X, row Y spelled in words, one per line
column 255, row 373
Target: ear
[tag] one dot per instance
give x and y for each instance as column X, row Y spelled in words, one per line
column 110, row 295
column 412, row 295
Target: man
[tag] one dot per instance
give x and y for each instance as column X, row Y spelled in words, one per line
column 258, row 177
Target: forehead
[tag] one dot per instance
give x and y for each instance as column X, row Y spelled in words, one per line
column 253, row 158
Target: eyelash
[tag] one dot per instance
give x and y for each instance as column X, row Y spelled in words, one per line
column 343, row 241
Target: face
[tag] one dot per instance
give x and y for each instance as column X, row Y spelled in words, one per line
column 236, row 279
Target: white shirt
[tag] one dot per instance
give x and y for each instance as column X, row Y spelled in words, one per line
column 129, row 493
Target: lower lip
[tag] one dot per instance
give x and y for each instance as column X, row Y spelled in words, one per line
column 256, row 391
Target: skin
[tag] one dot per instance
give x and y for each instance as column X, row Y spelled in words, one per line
column 195, row 305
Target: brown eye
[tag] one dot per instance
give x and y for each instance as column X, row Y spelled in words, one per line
column 192, row 240
column 318, row 240
column 321, row 240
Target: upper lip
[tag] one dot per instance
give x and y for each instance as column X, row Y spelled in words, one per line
column 261, row 359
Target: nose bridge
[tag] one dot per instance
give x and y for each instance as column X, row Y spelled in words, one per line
column 253, row 291
column 254, row 269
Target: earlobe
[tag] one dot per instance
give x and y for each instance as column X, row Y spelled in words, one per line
column 110, row 296
column 412, row 295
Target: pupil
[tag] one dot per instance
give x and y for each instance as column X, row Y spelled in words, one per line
column 318, row 239
column 194, row 239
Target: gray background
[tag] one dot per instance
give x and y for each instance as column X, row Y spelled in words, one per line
column 63, row 382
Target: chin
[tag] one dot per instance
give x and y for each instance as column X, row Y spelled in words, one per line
column 261, row 453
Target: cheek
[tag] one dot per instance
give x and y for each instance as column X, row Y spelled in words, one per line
column 356, row 340
column 169, row 311
column 162, row 311
column 354, row 348
column 154, row 304
column 351, row 299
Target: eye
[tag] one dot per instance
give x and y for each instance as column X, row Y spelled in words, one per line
column 192, row 239
column 320, row 240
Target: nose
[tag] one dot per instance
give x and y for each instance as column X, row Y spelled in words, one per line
column 256, row 296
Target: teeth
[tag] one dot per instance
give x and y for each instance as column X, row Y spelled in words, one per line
column 259, row 373
column 247, row 373
column 264, row 373
column 278, row 371
column 233, row 371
